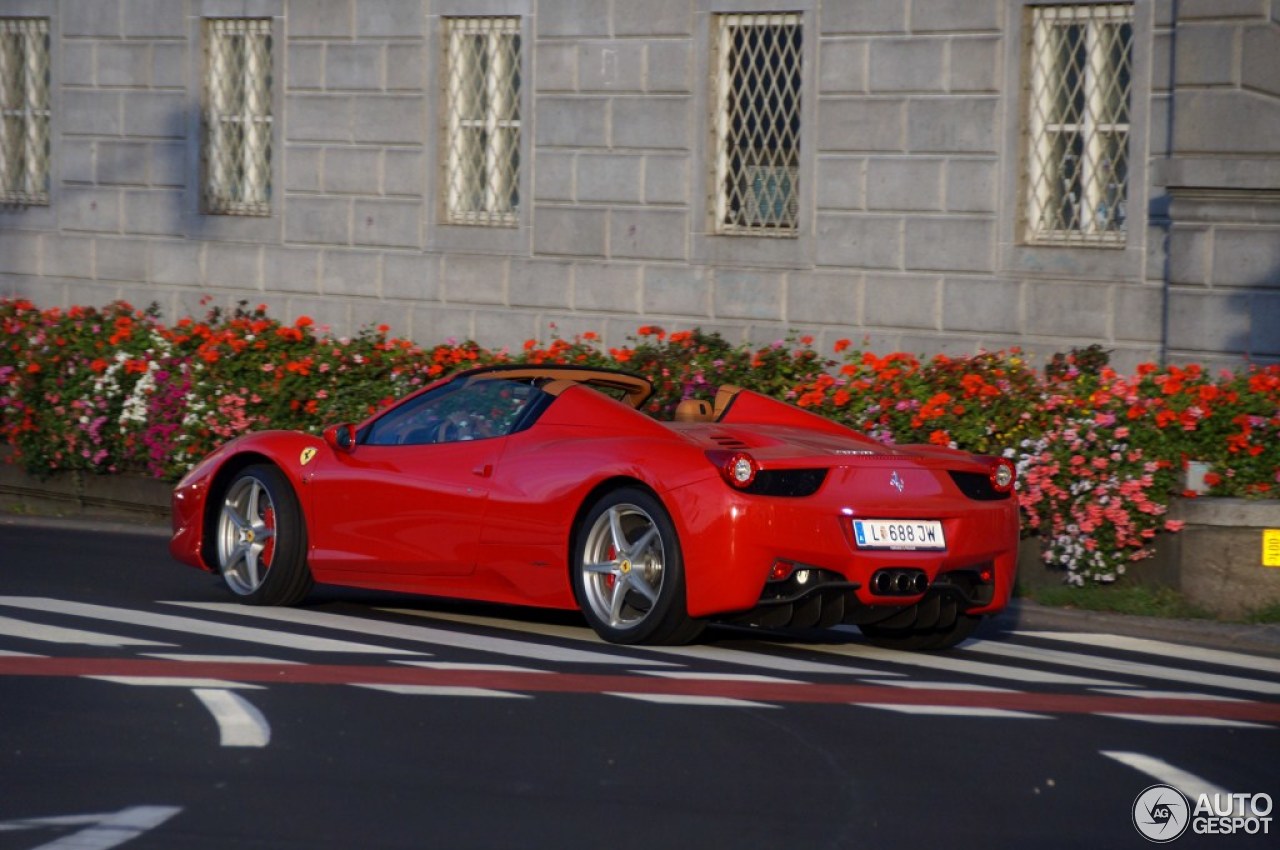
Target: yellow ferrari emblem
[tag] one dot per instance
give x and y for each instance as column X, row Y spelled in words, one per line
column 625, row 567
column 307, row 454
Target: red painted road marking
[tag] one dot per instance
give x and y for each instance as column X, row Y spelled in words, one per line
column 579, row 683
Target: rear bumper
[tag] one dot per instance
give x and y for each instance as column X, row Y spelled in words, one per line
column 729, row 549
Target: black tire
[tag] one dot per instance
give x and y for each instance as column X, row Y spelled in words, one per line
column 922, row 639
column 260, row 539
column 628, row 572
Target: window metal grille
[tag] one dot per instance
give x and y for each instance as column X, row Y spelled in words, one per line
column 237, row 116
column 24, row 111
column 1081, row 60
column 482, row 151
column 757, row 123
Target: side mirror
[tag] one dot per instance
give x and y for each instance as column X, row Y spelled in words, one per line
column 341, row 438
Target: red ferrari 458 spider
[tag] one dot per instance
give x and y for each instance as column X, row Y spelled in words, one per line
column 546, row 486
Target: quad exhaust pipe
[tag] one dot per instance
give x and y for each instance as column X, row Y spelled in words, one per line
column 899, row 582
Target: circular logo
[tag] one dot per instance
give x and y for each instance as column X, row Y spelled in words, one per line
column 625, row 566
column 1161, row 813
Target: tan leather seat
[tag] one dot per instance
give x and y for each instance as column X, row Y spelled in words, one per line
column 724, row 396
column 693, row 410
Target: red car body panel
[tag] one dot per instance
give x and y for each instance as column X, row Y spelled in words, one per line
column 494, row 519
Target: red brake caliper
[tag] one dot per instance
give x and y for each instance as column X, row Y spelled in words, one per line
column 269, row 548
column 610, row 579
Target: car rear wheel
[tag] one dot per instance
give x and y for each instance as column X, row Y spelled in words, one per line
column 916, row 639
column 261, row 540
column 628, row 572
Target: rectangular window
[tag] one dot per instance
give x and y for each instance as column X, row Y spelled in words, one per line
column 1077, row 179
column 757, row 123
column 482, row 99
column 24, row 111
column 238, row 79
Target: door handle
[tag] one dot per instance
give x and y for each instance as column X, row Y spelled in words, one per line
column 484, row 470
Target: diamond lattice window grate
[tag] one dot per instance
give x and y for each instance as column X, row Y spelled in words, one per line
column 24, row 111
column 1077, row 179
column 482, row 150
column 757, row 124
column 237, row 118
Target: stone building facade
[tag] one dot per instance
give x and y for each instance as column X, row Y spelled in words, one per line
column 903, row 223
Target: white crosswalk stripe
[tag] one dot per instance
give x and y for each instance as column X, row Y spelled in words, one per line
column 960, row 665
column 1179, row 651
column 417, row 634
column 955, row 711
column 692, row 700
column 27, row 630
column 194, row 626
column 1129, row 668
column 1181, row 720
column 1102, row 666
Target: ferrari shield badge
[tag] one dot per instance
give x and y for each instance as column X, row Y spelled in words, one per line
column 307, row 454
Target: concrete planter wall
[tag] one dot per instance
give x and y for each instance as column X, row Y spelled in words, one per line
column 1216, row 561
column 84, row 494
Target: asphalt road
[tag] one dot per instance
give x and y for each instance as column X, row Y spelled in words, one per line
column 140, row 708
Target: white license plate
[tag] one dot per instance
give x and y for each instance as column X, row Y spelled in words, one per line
column 899, row 534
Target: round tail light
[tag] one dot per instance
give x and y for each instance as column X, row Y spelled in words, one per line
column 1002, row 476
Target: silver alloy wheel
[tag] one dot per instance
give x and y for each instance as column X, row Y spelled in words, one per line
column 623, row 565
column 246, row 535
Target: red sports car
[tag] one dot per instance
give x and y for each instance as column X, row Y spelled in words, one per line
column 547, row 486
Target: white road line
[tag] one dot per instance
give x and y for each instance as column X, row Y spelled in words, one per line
column 240, row 724
column 216, row 659
column 943, row 686
column 690, row 675
column 766, row 661
column 442, row 691
column 192, row 626
column 175, row 682
column 704, row 653
column 1161, row 771
column 483, row 668
column 56, row 634
column 690, row 699
column 1168, row 720
column 955, row 711
column 1182, row 652
column 1127, row 668
column 963, row 666
column 1145, row 694
column 417, row 634
column 107, row 830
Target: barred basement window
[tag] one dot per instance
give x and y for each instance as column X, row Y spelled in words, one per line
column 482, row 151
column 757, row 65
column 237, row 116
column 24, row 111
column 1081, row 59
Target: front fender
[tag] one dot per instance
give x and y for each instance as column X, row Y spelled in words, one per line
column 194, row 497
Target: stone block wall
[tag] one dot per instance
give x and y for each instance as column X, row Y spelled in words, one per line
column 910, row 181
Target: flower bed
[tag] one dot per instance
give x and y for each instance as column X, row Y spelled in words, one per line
column 1100, row 454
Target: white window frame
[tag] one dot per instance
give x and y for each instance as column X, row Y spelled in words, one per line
column 501, row 121
column 777, row 174
column 1090, row 229
column 240, row 134
column 25, row 123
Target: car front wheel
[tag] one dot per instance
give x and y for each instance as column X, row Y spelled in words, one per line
column 261, row 539
column 628, row 572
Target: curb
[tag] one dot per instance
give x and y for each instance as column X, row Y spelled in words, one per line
column 1025, row 615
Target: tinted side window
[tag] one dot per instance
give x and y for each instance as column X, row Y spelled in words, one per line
column 474, row 410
